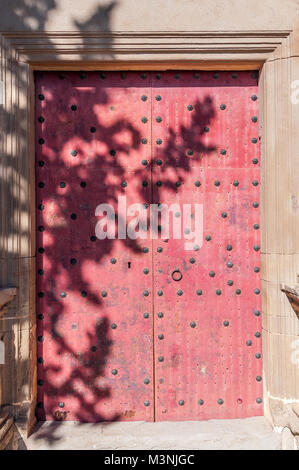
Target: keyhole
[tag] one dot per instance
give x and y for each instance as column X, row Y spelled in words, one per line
column 129, row 264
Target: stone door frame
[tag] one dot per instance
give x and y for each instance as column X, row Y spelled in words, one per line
column 273, row 53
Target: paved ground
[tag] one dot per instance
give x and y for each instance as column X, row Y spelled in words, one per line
column 251, row 433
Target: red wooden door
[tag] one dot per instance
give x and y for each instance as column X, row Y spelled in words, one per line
column 142, row 329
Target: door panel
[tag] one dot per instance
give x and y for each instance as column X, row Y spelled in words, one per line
column 94, row 339
column 118, row 337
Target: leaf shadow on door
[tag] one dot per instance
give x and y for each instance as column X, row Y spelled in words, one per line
column 85, row 381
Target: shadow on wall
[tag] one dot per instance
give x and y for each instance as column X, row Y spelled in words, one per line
column 86, row 366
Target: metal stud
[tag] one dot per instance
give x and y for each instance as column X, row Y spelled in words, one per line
column 208, row 238
column 73, row 261
column 255, row 205
column 124, row 184
column 159, row 183
column 112, row 153
column 158, row 98
column 200, row 402
column 258, row 378
column 218, row 292
column 192, row 260
column 180, row 292
column 40, row 404
column 41, row 272
column 197, row 184
column 146, row 293
column 144, row 120
column 41, row 119
column 93, row 348
column 159, row 162
column 123, row 76
column 254, row 140
column 144, row 141
column 41, row 97
column 83, row 293
column 73, row 216
column 181, row 402
column 229, row 247
column 40, row 316
column 143, row 98
column 144, row 184
column 238, row 291
column 217, row 183
column 104, row 293
column 40, row 360
column 114, row 372
column 190, row 152
column 196, row 75
column 146, row 403
column 146, row 315
column 230, row 283
column 93, row 238
column 254, row 97
column 249, row 343
column 236, row 183
column 160, row 292
column 40, row 383
column 199, row 292
column 41, row 250
column 257, row 334
column 41, row 294
column 254, row 118
column 145, row 249
column 40, row 339
column 93, row 130
column 146, row 381
column 143, row 76
column 74, row 107
column 41, row 207
column 212, row 274
column 41, row 184
column 196, row 247
column 161, row 336
column 256, row 226
column 256, row 247
column 258, row 355
column 159, row 249
column 206, row 129
column 82, row 75
column 255, row 161
column 193, row 324
column 159, row 141
column 222, row 107
column 257, row 313
column 226, row 323
column 223, row 152
column 114, row 326
column 63, row 294
column 160, row 315
column 255, row 182
column 229, row 264
column 224, row 215
column 146, row 271
column 234, row 75
column 160, row 358
column 257, row 291
column 158, row 119
column 190, row 107
column 259, row 400
column 220, row 401
column 73, row 153
column 144, row 162
column 62, row 184
column 215, row 75
column 41, row 163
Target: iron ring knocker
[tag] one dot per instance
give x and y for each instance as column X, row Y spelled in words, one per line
column 176, row 275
